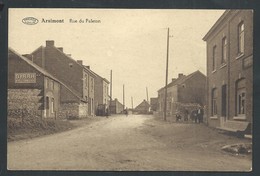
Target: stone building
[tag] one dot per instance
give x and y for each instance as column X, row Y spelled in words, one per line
column 34, row 90
column 183, row 92
column 71, row 72
column 230, row 70
column 142, row 108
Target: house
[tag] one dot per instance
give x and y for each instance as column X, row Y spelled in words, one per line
column 34, row 90
column 116, row 107
column 184, row 92
column 71, row 72
column 230, row 71
column 142, row 108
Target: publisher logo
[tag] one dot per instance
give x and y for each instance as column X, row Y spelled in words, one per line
column 30, row 21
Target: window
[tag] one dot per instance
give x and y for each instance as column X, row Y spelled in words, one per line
column 241, row 38
column 92, row 84
column 224, row 50
column 214, row 58
column 52, row 105
column 240, row 97
column 86, row 81
column 214, row 102
column 47, row 83
column 47, row 102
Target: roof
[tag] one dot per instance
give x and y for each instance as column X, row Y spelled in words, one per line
column 84, row 67
column 44, row 72
column 143, row 103
column 97, row 75
column 213, row 28
column 182, row 79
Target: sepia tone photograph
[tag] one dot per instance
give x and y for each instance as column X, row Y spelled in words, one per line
column 130, row 89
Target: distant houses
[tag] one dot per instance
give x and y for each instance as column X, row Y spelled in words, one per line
column 153, row 104
column 230, row 71
column 183, row 92
column 142, row 108
column 116, row 107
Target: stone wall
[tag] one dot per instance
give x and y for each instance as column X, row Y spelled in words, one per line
column 24, row 101
column 69, row 110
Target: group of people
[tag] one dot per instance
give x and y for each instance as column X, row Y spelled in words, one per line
column 195, row 115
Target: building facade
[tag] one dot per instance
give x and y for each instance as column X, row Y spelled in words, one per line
column 183, row 92
column 71, row 72
column 229, row 69
column 101, row 91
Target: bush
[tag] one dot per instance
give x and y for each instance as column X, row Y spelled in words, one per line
column 35, row 125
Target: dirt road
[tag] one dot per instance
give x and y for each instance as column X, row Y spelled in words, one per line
column 129, row 143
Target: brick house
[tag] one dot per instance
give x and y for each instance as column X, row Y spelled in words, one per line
column 230, row 71
column 142, row 108
column 71, row 72
column 33, row 89
column 183, row 91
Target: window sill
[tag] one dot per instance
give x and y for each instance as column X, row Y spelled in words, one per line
column 239, row 118
column 223, row 65
column 240, row 55
column 213, row 117
column 214, row 71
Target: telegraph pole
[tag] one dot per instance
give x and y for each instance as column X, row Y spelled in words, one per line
column 147, row 94
column 166, row 80
column 110, row 91
column 132, row 103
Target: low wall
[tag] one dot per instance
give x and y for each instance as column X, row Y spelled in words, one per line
column 73, row 110
column 24, row 102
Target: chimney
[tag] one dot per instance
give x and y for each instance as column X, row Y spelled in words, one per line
column 173, row 79
column 180, row 75
column 69, row 55
column 60, row 48
column 80, row 62
column 88, row 66
column 50, row 43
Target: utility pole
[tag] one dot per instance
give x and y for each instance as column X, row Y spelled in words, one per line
column 123, row 96
column 147, row 94
column 166, row 80
column 132, row 103
column 110, row 91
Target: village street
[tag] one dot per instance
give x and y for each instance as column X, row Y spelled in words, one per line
column 134, row 143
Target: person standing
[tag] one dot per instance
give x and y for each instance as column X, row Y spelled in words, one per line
column 107, row 112
column 126, row 112
column 200, row 114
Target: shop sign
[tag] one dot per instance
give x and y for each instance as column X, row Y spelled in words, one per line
column 25, row 77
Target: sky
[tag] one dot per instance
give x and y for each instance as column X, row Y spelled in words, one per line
column 130, row 42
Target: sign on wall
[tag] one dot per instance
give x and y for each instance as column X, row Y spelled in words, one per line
column 25, row 77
